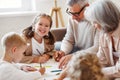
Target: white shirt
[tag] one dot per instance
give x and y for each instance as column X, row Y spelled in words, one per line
column 36, row 45
column 10, row 71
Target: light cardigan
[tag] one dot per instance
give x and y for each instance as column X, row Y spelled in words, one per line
column 81, row 34
column 28, row 55
column 105, row 53
column 10, row 71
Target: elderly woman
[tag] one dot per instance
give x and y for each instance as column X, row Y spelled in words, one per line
column 106, row 18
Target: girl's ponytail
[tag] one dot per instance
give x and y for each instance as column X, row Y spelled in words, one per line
column 28, row 32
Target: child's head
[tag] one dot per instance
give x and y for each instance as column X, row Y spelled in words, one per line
column 14, row 46
column 40, row 17
column 85, row 67
column 40, row 26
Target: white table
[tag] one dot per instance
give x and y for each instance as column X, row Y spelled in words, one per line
column 50, row 66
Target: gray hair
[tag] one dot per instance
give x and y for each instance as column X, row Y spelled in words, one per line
column 80, row 2
column 105, row 13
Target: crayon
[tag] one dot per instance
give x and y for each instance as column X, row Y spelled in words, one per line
column 56, row 71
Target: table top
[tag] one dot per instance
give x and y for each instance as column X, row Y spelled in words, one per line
column 52, row 70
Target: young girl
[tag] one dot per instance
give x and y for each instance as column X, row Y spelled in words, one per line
column 41, row 40
column 84, row 66
column 14, row 47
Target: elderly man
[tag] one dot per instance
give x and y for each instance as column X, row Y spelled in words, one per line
column 81, row 34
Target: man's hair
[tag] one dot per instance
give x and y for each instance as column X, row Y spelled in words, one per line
column 85, row 66
column 80, row 2
column 12, row 39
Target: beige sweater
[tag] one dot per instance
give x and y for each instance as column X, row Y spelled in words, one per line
column 81, row 34
column 105, row 53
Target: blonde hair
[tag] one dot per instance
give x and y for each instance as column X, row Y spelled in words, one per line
column 12, row 39
column 85, row 66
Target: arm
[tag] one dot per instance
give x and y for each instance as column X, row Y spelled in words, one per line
column 68, row 41
column 35, row 58
column 93, row 49
column 103, row 53
column 15, row 73
column 113, row 71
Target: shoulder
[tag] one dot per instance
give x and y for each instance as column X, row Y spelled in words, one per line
column 28, row 40
column 6, row 67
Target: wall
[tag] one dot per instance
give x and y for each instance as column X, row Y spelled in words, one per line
column 17, row 22
column 41, row 6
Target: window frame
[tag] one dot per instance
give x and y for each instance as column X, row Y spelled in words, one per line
column 26, row 6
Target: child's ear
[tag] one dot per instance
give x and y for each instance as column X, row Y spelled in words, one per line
column 13, row 49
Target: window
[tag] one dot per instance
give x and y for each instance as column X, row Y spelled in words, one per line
column 15, row 5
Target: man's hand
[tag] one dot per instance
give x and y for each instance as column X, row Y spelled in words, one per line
column 58, row 55
column 64, row 61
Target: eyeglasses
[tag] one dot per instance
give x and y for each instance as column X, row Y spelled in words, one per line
column 75, row 13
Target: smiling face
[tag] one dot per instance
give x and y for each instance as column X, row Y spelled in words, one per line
column 42, row 27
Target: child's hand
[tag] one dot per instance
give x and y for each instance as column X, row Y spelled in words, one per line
column 28, row 68
column 41, row 58
column 44, row 58
column 42, row 70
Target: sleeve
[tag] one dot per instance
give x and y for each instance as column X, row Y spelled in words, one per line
column 113, row 71
column 103, row 51
column 68, row 41
column 27, row 75
column 93, row 49
column 27, row 59
column 16, row 73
